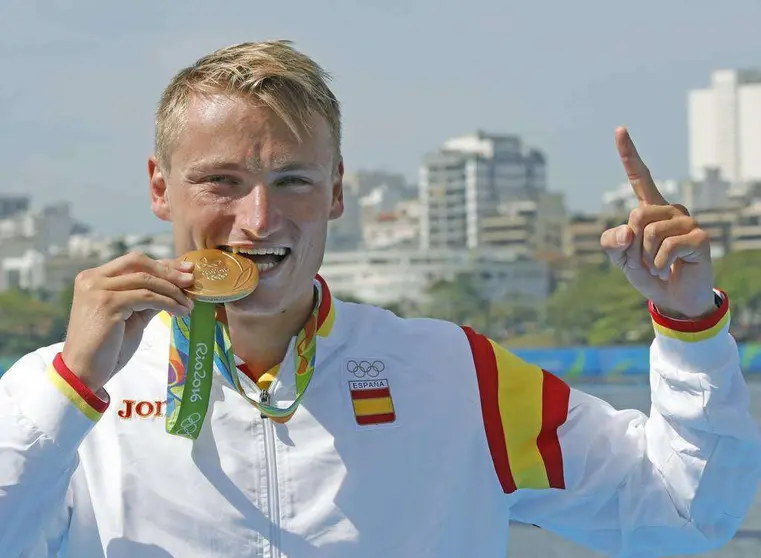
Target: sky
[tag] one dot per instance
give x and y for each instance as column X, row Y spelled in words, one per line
column 80, row 82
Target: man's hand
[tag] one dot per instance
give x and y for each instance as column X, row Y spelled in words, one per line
column 661, row 250
column 112, row 305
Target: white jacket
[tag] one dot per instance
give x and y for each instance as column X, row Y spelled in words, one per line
column 470, row 438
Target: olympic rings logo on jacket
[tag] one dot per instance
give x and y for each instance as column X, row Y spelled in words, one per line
column 363, row 368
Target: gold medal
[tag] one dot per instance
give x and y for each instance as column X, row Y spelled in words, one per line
column 220, row 276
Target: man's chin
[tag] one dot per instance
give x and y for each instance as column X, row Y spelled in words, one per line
column 270, row 298
column 255, row 303
column 266, row 300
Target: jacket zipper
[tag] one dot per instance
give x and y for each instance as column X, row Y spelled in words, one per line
column 273, row 495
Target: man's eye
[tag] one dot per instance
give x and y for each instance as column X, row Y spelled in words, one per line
column 293, row 181
column 222, row 179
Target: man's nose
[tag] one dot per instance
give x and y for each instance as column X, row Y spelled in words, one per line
column 258, row 212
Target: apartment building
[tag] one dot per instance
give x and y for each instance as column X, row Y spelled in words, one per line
column 531, row 227
column 469, row 179
column 582, row 239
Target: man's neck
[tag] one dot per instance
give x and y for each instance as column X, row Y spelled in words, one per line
column 262, row 341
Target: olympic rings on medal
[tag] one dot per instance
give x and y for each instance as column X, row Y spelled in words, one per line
column 363, row 368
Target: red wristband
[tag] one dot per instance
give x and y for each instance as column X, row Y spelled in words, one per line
column 692, row 326
column 78, row 385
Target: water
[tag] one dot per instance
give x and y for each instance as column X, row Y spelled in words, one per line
column 530, row 542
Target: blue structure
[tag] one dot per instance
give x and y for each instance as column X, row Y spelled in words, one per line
column 615, row 364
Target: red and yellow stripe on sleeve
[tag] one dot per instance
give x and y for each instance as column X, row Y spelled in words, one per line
column 692, row 331
column 75, row 390
column 522, row 406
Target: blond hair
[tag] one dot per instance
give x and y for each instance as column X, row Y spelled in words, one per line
column 290, row 83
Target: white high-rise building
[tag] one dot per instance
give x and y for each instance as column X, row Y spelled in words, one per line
column 725, row 126
column 468, row 179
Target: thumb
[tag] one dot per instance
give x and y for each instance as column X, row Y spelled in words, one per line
column 616, row 241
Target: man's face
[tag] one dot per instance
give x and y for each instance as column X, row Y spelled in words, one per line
column 240, row 178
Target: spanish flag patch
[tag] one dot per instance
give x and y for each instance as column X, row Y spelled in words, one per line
column 372, row 402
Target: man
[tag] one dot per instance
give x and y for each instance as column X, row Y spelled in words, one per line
column 415, row 437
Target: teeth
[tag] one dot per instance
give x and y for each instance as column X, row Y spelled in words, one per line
column 259, row 251
column 261, row 268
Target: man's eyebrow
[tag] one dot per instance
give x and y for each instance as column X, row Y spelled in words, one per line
column 295, row 166
column 215, row 164
column 278, row 166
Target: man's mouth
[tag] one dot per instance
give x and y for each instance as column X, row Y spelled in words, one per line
column 264, row 258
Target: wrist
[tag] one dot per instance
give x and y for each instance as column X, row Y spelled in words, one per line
column 73, row 368
column 96, row 397
column 700, row 313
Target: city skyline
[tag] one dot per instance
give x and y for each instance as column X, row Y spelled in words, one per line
column 78, row 112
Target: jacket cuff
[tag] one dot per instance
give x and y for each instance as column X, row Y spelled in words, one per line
column 59, row 404
column 690, row 346
column 692, row 331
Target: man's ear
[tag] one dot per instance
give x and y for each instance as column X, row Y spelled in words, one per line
column 159, row 199
column 337, row 206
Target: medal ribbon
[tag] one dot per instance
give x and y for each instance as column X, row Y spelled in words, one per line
column 194, row 355
column 197, row 344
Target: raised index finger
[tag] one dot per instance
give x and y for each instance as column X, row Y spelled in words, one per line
column 636, row 170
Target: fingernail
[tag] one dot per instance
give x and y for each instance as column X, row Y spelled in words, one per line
column 621, row 236
column 186, row 265
column 186, row 276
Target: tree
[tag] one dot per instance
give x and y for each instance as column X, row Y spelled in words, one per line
column 739, row 274
column 25, row 323
column 599, row 308
column 61, row 322
column 460, row 301
column 516, row 314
